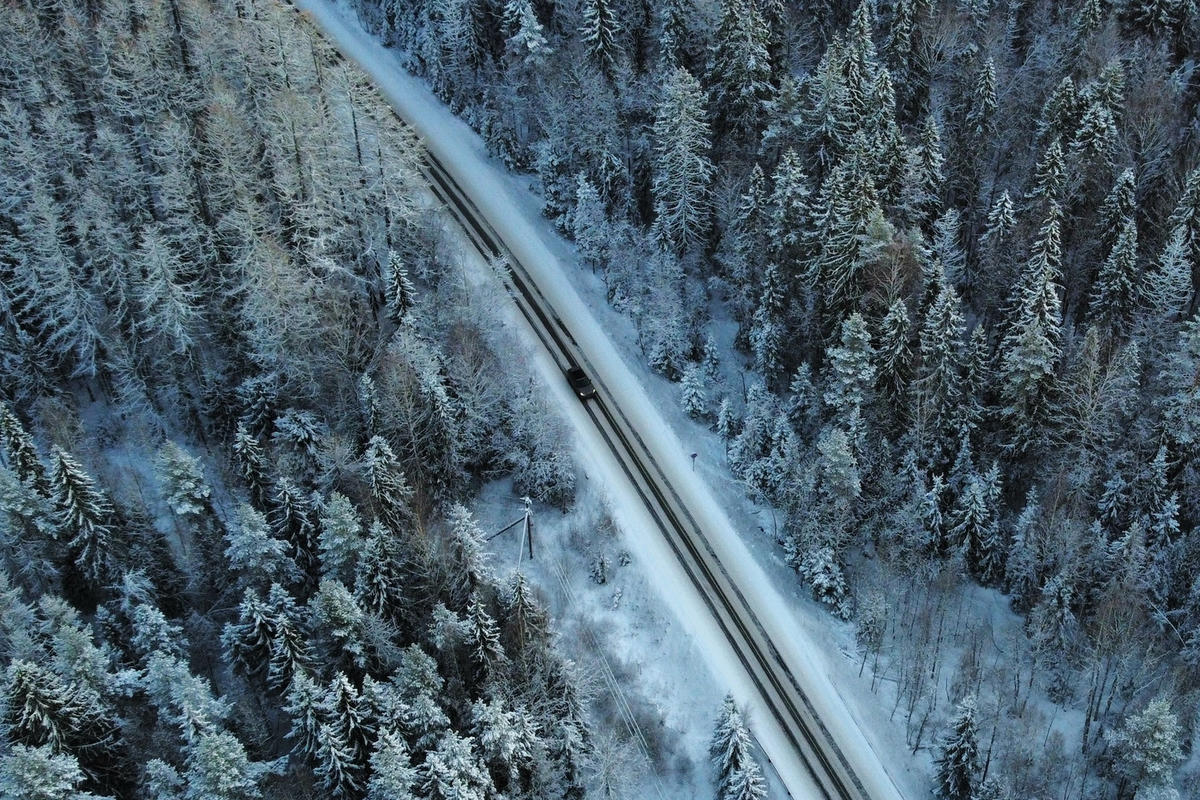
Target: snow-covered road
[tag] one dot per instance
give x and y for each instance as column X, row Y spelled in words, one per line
column 466, row 159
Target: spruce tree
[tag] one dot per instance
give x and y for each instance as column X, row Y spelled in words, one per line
column 527, row 39
column 1117, row 294
column 939, row 382
column 251, row 465
column 20, row 453
column 956, row 766
column 1186, row 217
column 1169, row 285
column 392, row 775
column 600, row 29
column 682, row 170
column 340, row 539
column 739, row 71
column 292, row 521
column 254, row 553
column 851, row 374
column 84, row 514
column 390, row 491
column 893, row 360
column 691, row 389
column 1031, row 349
column 731, row 750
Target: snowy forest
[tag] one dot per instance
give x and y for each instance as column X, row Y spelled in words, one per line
column 929, row 268
column 245, row 401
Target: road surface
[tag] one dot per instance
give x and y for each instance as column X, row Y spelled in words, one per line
column 779, row 685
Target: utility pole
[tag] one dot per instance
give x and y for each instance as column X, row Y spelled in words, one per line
column 529, row 523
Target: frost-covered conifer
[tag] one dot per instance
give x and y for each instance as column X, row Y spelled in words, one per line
column 527, row 39
column 956, row 766
column 254, row 553
column 599, row 31
column 218, row 768
column 392, row 775
column 390, row 490
column 739, row 69
column 340, row 539
column 1147, row 746
column 691, row 389
column 453, row 771
column 19, row 451
column 401, row 294
column 252, row 466
column 292, row 521
column 682, row 169
column 41, row 773
column 187, row 493
column 84, row 514
column 731, row 750
column 851, row 373
column 1117, row 293
column 1031, row 349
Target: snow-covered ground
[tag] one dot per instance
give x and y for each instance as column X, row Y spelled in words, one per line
column 820, row 651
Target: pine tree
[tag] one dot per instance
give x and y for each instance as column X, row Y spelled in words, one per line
column 84, row 514
column 1180, row 390
column 452, row 771
column 1118, row 209
column 1031, row 349
column 258, row 397
column 852, row 217
column 948, row 251
column 1050, row 175
column 41, row 773
column 335, row 764
column 247, row 641
column 589, row 223
column 343, row 709
column 484, row 639
column 377, row 575
column 682, row 169
column 975, row 529
column 1095, row 142
column 956, row 770
column 926, row 175
column 1169, row 286
column 1001, row 220
column 290, row 651
column 893, row 359
column 41, row 709
column 1060, row 113
column 738, row 776
column 20, row 453
column 600, row 29
column 981, row 109
column 766, row 330
column 219, row 769
column 303, row 706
